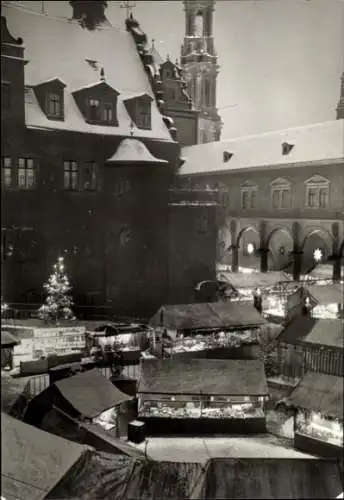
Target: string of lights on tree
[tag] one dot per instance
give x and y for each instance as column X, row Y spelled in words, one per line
column 58, row 304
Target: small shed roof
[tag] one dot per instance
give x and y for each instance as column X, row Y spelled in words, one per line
column 327, row 294
column 321, row 393
column 208, row 316
column 326, row 332
column 202, row 377
column 33, row 461
column 257, row 280
column 8, row 339
column 305, row 330
column 11, row 390
column 90, row 393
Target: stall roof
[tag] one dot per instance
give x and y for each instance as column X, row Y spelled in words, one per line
column 327, row 294
column 326, row 332
column 256, row 280
column 308, row 330
column 202, row 376
column 207, row 316
column 8, row 339
column 116, row 477
column 320, row 393
column 90, row 393
column 33, row 461
column 11, row 390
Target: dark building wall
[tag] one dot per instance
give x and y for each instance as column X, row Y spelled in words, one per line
column 186, row 123
column 192, row 250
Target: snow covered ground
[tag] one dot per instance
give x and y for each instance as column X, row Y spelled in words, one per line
column 196, row 449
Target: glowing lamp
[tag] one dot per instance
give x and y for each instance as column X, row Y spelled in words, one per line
column 317, row 254
column 250, row 248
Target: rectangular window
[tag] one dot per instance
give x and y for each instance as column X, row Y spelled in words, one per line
column 143, row 115
column 285, row 200
column 107, row 115
column 253, row 198
column 6, row 96
column 26, row 173
column 54, row 105
column 6, row 171
column 244, row 199
column 70, row 175
column 275, row 198
column 91, row 176
column 93, row 110
column 323, row 197
column 312, row 197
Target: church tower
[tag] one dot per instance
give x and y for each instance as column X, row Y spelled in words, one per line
column 199, row 65
column 340, row 106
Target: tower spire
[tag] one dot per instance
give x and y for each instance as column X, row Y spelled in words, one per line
column 199, row 65
column 340, row 105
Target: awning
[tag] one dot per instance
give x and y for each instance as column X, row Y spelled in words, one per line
column 33, row 461
column 319, row 393
column 90, row 393
column 217, row 315
column 203, row 377
column 8, row 339
column 257, row 280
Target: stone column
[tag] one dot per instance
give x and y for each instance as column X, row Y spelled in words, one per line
column 264, row 260
column 235, row 258
column 336, row 269
column 297, row 266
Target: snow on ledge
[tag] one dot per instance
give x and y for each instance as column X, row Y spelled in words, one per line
column 133, row 151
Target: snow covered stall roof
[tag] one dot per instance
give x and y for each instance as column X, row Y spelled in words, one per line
column 255, row 280
column 203, row 376
column 320, row 393
column 90, row 393
column 322, row 142
column 33, row 461
column 109, row 48
column 207, row 316
column 116, row 477
column 305, row 330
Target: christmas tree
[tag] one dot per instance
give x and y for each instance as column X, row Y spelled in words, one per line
column 58, row 304
column 4, row 308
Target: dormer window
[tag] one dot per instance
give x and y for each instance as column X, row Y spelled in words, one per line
column 98, row 103
column 143, row 115
column 50, row 96
column 139, row 110
column 54, row 105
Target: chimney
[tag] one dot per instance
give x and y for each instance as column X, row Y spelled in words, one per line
column 90, row 14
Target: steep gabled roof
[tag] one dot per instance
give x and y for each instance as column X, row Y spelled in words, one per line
column 322, row 142
column 61, row 48
column 133, row 151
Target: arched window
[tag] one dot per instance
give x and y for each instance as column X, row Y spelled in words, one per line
column 199, row 24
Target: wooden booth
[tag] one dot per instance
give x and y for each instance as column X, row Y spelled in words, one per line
column 202, row 396
column 217, row 330
column 318, row 400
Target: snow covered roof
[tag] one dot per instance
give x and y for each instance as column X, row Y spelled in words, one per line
column 322, row 142
column 61, row 48
column 133, row 151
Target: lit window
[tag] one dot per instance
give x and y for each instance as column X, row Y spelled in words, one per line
column 93, row 109
column 54, row 105
column 91, row 176
column 70, row 175
column 6, row 171
column 26, row 173
column 107, row 114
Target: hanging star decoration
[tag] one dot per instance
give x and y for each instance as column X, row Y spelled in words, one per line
column 317, row 254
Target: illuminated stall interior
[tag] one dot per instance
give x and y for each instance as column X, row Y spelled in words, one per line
column 118, row 337
column 319, row 402
column 202, row 389
column 198, row 327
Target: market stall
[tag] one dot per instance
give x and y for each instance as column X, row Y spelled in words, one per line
column 329, row 298
column 318, row 400
column 218, row 330
column 128, row 340
column 202, row 396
